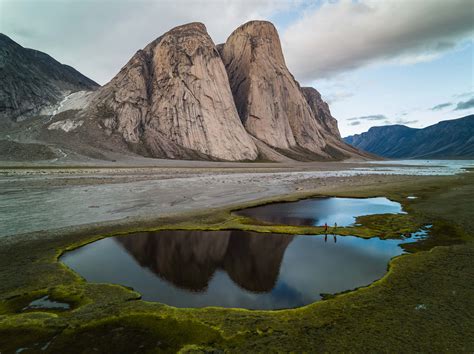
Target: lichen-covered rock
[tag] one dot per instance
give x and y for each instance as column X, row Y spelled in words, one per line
column 174, row 100
column 268, row 98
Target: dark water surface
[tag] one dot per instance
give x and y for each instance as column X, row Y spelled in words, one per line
column 234, row 268
column 317, row 211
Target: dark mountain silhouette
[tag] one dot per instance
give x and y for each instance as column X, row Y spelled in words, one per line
column 189, row 259
column 450, row 139
column 31, row 80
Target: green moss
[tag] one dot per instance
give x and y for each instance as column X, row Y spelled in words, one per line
column 424, row 303
column 141, row 332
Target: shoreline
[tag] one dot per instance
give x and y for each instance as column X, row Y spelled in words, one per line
column 59, row 198
column 30, row 269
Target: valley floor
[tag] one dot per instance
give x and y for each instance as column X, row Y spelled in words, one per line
column 424, row 303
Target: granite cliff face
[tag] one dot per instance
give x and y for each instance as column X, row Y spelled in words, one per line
column 31, row 81
column 181, row 97
column 269, row 100
column 173, row 99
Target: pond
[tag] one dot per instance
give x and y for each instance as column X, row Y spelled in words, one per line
column 235, row 268
column 318, row 211
column 45, row 303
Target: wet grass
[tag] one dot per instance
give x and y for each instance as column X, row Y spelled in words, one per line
column 424, row 303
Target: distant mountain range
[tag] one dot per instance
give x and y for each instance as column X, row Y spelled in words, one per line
column 31, row 80
column 449, row 139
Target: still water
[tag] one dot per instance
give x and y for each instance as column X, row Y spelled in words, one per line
column 235, row 268
column 318, row 211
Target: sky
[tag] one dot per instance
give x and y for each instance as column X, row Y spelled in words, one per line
column 376, row 62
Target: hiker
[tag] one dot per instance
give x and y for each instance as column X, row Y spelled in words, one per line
column 325, row 227
column 335, row 227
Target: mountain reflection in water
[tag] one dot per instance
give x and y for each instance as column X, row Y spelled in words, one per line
column 189, row 259
column 233, row 268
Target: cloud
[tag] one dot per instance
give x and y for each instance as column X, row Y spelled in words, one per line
column 320, row 38
column 337, row 97
column 464, row 94
column 344, row 35
column 378, row 117
column 441, row 106
column 405, row 122
column 372, row 117
column 465, row 105
column 99, row 37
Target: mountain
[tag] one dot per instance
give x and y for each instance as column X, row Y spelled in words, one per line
column 173, row 98
column 447, row 139
column 184, row 97
column 321, row 111
column 180, row 97
column 269, row 100
column 271, row 104
column 32, row 80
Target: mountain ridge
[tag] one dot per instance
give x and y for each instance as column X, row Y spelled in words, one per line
column 32, row 80
column 178, row 98
column 446, row 139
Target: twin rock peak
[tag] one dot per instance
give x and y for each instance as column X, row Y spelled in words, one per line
column 184, row 97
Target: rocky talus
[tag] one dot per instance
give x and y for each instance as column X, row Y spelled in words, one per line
column 173, row 99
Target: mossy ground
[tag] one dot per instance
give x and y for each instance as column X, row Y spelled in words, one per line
column 424, row 303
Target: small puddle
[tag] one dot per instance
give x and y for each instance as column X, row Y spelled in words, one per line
column 45, row 303
column 318, row 211
column 235, row 268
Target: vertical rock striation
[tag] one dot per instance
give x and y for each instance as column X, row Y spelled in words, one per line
column 173, row 99
column 269, row 100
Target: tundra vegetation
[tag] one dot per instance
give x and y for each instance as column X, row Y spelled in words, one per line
column 423, row 303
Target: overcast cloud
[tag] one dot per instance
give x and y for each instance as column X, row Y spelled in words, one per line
column 330, row 37
column 350, row 34
column 98, row 37
column 371, row 117
column 465, row 105
column 441, row 106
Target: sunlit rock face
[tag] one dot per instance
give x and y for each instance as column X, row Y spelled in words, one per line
column 190, row 259
column 173, row 100
column 269, row 100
